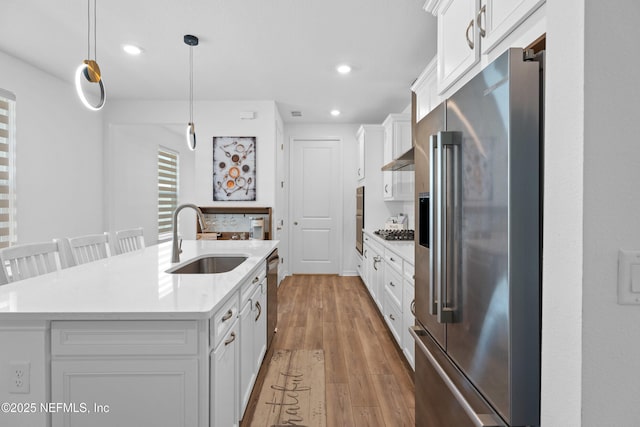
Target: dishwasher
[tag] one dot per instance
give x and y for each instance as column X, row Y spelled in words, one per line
column 272, row 295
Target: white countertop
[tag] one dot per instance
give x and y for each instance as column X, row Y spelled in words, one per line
column 134, row 285
column 403, row 248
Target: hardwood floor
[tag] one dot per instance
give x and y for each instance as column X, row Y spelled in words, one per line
column 368, row 382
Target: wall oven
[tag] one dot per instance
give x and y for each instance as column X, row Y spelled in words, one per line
column 359, row 217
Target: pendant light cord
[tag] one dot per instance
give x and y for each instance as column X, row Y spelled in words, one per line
column 95, row 40
column 190, row 84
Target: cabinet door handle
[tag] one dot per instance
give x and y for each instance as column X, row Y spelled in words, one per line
column 482, row 11
column 227, row 316
column 413, row 307
column 391, row 317
column 392, row 284
column 391, row 259
column 231, row 339
column 255, row 280
column 259, row 307
column 358, row 171
column 466, row 34
column 386, row 188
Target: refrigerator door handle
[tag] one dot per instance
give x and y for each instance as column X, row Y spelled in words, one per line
column 479, row 420
column 434, row 241
column 448, row 210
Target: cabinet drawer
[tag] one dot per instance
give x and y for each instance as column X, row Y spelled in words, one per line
column 409, row 272
column 393, row 284
column 220, row 323
column 393, row 316
column 376, row 246
column 137, row 337
column 393, row 259
column 250, row 284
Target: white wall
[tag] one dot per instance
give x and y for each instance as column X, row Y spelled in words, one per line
column 563, row 209
column 59, row 156
column 347, row 134
column 211, row 119
column 132, row 178
column 610, row 332
column 590, row 344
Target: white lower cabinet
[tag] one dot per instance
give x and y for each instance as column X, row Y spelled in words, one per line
column 224, row 406
column 393, row 316
column 143, row 371
column 147, row 392
column 408, row 316
column 246, row 354
column 253, row 336
column 388, row 277
column 260, row 325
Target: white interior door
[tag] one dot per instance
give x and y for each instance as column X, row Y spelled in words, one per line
column 316, row 206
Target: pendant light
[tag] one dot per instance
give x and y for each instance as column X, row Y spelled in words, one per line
column 191, row 41
column 89, row 68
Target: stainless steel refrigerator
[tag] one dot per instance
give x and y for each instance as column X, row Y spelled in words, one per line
column 478, row 216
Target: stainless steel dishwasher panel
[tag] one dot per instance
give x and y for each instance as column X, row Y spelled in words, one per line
column 272, row 295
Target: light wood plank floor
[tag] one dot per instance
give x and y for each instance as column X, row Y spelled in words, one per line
column 368, row 383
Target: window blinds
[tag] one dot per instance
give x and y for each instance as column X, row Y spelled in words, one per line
column 7, row 181
column 167, row 191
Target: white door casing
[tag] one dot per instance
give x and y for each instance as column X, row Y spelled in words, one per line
column 316, row 205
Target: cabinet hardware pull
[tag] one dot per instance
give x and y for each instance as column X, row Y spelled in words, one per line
column 466, row 34
column 358, row 171
column 227, row 316
column 482, row 11
column 255, row 280
column 391, row 259
column 392, row 284
column 386, row 188
column 413, row 307
column 231, row 339
column 391, row 317
column 259, row 307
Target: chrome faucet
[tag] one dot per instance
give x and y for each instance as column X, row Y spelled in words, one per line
column 175, row 257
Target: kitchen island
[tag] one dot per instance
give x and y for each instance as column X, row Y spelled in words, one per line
column 123, row 342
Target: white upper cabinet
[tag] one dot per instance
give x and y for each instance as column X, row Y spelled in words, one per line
column 397, row 140
column 426, row 90
column 458, row 40
column 469, row 30
column 361, row 162
column 498, row 18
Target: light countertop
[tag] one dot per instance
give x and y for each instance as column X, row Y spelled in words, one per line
column 134, row 285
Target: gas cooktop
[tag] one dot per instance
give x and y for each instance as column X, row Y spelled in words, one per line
column 395, row 234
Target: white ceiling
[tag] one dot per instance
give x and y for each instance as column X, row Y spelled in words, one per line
column 282, row 50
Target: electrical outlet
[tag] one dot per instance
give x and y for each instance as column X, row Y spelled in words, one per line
column 19, row 377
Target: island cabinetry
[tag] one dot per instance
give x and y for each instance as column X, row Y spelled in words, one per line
column 253, row 334
column 224, row 380
column 125, row 370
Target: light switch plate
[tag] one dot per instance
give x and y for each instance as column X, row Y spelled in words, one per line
column 628, row 277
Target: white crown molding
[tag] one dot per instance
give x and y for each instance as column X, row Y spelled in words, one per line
column 431, row 6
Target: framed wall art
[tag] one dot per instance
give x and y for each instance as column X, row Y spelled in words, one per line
column 234, row 168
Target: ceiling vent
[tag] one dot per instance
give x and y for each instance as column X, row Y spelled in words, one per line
column 296, row 114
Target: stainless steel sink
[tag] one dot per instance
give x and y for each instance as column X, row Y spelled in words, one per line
column 209, row 265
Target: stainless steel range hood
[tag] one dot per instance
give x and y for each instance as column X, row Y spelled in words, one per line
column 404, row 162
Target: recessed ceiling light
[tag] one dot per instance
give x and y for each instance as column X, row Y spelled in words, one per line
column 343, row 69
column 131, row 49
column 335, row 113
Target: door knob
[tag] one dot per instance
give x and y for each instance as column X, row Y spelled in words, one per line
column 295, row 223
